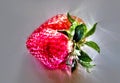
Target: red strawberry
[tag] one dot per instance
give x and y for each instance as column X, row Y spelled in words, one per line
column 58, row 22
column 49, row 46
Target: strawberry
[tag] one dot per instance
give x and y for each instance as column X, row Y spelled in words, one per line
column 46, row 43
column 57, row 22
column 49, row 46
column 54, row 41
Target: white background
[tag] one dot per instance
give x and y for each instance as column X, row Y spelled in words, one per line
column 18, row 18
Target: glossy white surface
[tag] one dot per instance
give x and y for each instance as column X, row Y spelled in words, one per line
column 18, row 18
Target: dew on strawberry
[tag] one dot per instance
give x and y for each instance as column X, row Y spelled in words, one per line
column 60, row 38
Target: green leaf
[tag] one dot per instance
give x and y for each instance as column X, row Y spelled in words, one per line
column 86, row 64
column 93, row 45
column 77, row 48
column 84, row 57
column 72, row 27
column 70, row 18
column 73, row 24
column 91, row 31
column 64, row 32
column 85, row 28
column 79, row 32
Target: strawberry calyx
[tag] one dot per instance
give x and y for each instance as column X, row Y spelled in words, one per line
column 77, row 34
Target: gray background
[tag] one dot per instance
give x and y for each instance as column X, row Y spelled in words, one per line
column 18, row 18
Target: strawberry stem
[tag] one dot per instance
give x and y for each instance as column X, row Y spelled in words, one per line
column 78, row 33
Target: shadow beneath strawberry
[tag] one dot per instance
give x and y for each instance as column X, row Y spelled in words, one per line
column 33, row 72
column 29, row 72
column 64, row 76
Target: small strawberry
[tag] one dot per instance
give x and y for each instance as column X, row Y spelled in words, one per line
column 58, row 22
column 49, row 46
column 59, row 38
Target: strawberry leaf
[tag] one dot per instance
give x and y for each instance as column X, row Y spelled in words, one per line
column 87, row 65
column 85, row 28
column 70, row 18
column 91, row 31
column 79, row 32
column 72, row 27
column 93, row 45
column 84, row 57
column 77, row 48
column 64, row 32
